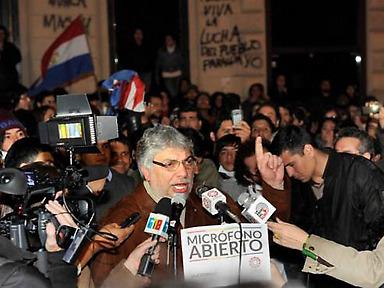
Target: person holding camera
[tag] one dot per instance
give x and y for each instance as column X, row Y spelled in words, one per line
column 16, row 265
column 17, row 270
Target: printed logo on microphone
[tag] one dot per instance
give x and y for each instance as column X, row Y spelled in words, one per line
column 262, row 210
column 205, row 203
column 157, row 224
column 259, row 211
column 210, row 198
column 212, row 193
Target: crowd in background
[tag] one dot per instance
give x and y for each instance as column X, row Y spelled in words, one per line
column 224, row 151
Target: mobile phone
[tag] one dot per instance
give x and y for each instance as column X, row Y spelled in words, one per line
column 237, row 117
column 371, row 107
column 132, row 219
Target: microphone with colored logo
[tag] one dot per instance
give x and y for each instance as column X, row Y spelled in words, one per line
column 215, row 202
column 157, row 225
column 256, row 209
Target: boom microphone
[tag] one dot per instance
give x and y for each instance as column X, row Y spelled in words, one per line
column 215, row 202
column 157, row 225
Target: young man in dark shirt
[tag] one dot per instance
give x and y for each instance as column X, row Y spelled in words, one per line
column 350, row 210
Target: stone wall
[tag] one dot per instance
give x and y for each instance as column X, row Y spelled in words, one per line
column 375, row 48
column 41, row 21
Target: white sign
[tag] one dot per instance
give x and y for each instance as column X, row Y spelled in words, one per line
column 211, row 254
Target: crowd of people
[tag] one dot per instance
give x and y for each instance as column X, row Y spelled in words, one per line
column 318, row 161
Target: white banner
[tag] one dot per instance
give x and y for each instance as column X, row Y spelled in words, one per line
column 211, row 254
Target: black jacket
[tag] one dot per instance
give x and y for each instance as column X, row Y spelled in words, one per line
column 351, row 211
column 16, row 269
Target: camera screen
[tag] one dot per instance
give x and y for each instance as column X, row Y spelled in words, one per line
column 70, row 130
column 30, row 178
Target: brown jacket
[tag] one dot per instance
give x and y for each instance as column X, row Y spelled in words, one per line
column 281, row 199
column 140, row 201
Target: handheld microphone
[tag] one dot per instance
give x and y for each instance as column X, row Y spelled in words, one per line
column 256, row 209
column 178, row 203
column 157, row 225
column 215, row 202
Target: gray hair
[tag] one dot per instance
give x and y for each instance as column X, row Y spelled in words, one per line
column 157, row 139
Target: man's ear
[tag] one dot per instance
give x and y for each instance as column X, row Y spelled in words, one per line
column 145, row 173
column 212, row 136
column 375, row 158
column 308, row 150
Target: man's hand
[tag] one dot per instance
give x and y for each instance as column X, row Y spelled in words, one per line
column 270, row 166
column 133, row 261
column 113, row 228
column 288, row 235
column 243, row 131
column 51, row 243
column 63, row 217
column 61, row 214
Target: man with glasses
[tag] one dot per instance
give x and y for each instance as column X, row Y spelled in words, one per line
column 167, row 165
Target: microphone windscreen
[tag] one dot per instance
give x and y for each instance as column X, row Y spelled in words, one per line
column 164, row 207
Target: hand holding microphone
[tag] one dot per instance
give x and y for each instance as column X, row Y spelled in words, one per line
column 133, row 261
column 157, row 225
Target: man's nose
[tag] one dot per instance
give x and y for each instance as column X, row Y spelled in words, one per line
column 182, row 171
column 290, row 171
column 231, row 156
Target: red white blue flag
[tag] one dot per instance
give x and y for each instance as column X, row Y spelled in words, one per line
column 127, row 90
column 66, row 60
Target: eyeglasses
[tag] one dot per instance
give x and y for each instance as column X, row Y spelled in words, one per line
column 172, row 165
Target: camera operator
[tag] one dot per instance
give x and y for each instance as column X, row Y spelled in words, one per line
column 26, row 151
column 16, row 267
column 116, row 185
column 17, row 270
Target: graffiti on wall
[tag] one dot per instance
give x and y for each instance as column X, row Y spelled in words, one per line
column 221, row 42
column 58, row 21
